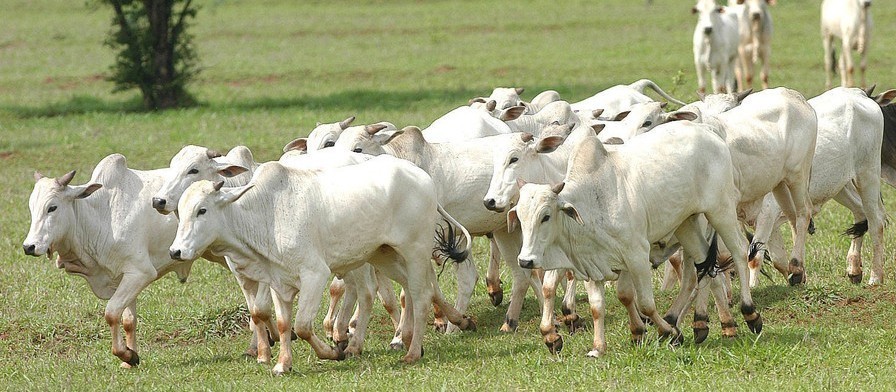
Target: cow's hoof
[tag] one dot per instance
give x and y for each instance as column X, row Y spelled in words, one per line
column 675, row 337
column 396, row 344
column 755, row 325
column 251, row 353
column 440, row 327
column 279, row 370
column 796, row 279
column 509, row 325
column 135, row 359
column 700, row 334
column 340, row 347
column 574, row 324
column 729, row 330
column 467, row 324
column 594, row 354
column 855, row 279
column 496, row 297
column 554, row 343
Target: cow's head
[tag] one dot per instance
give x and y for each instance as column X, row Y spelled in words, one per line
column 52, row 206
column 641, row 118
column 709, row 16
column 540, row 215
column 324, row 135
column 191, row 164
column 754, row 8
column 201, row 219
column 714, row 104
column 367, row 139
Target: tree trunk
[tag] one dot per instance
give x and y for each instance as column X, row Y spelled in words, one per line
column 165, row 93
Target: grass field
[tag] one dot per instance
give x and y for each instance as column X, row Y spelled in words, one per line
column 271, row 69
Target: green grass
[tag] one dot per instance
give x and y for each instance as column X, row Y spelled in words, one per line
column 271, row 69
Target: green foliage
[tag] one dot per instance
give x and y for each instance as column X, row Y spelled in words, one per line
column 155, row 52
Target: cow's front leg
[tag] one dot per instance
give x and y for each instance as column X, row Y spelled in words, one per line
column 282, row 297
column 132, row 283
column 598, row 314
column 548, row 326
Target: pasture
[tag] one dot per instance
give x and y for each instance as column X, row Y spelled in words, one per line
column 271, row 69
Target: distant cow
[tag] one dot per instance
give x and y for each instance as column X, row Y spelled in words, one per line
column 106, row 232
column 755, row 24
column 716, row 37
column 849, row 20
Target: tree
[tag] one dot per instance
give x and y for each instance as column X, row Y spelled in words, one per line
column 155, row 53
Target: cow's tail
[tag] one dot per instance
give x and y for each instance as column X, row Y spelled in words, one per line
column 643, row 84
column 857, row 230
column 708, row 266
column 448, row 242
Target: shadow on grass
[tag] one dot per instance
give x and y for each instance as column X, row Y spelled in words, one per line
column 361, row 100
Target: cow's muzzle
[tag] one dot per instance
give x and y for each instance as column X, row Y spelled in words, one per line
column 30, row 249
column 527, row 264
column 175, row 254
column 159, row 204
column 707, row 30
column 491, row 205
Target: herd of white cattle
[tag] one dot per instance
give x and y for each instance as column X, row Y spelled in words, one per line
column 599, row 190
column 730, row 40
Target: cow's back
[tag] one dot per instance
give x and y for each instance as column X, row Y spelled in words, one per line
column 771, row 135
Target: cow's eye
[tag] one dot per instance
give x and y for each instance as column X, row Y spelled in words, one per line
column 546, row 218
column 193, row 171
column 329, row 143
column 513, row 160
column 647, row 124
column 200, row 212
column 358, row 150
column 51, row 209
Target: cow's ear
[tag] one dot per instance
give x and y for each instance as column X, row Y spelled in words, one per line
column 228, row 170
column 739, row 2
column 513, row 113
column 771, row 2
column 598, row 127
column 231, row 195
column 37, row 176
column 614, row 140
column 512, row 220
column 572, row 212
column 622, row 115
column 886, row 97
column 300, row 144
column 694, row 10
column 82, row 191
column 596, row 113
column 681, row 115
column 549, row 144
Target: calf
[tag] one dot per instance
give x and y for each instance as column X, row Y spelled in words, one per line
column 290, row 225
column 614, row 206
column 715, row 45
column 849, row 20
column 106, row 232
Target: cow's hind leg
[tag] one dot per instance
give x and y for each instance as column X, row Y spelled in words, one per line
column 337, row 290
column 465, row 287
column 726, row 225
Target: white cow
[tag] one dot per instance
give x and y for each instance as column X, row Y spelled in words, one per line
column 755, row 24
column 614, row 206
column 505, row 98
column 323, row 136
column 294, row 227
column 849, row 20
column 466, row 122
column 106, row 232
column 195, row 163
column 772, row 136
column 847, row 168
column 716, row 38
column 621, row 97
column 461, row 171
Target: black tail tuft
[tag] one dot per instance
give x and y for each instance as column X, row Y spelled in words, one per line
column 708, row 266
column 755, row 247
column 811, row 229
column 857, row 230
column 448, row 244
